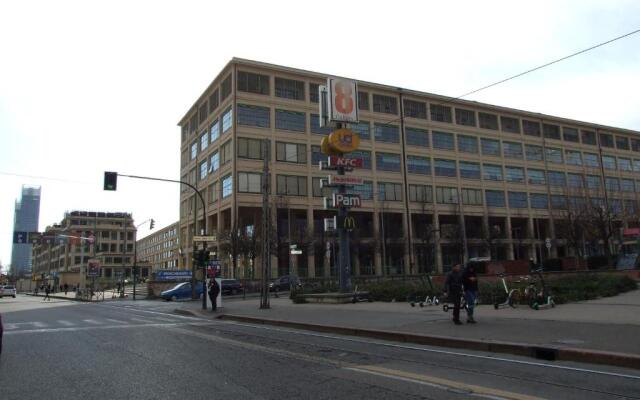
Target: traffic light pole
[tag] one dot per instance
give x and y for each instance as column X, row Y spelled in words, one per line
column 112, row 186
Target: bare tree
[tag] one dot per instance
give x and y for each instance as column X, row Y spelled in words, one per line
column 574, row 221
column 490, row 236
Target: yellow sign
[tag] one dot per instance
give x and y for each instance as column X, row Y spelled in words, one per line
column 344, row 140
column 349, row 223
column 325, row 147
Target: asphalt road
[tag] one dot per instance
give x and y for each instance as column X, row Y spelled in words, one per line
column 122, row 350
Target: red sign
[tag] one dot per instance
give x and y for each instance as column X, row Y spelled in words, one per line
column 335, row 161
column 631, row 232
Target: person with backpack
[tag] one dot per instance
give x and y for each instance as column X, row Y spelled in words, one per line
column 214, row 290
column 470, row 283
column 453, row 286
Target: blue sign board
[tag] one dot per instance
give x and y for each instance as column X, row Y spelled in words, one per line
column 179, row 275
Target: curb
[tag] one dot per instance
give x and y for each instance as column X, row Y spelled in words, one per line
column 548, row 353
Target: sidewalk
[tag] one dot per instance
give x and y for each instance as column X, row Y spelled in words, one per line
column 599, row 331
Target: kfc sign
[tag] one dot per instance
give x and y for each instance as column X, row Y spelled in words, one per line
column 335, row 161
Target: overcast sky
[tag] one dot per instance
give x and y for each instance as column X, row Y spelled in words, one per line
column 89, row 86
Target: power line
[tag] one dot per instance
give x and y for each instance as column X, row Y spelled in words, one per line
column 44, row 178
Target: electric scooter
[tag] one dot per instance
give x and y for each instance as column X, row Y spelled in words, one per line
column 360, row 296
column 428, row 300
column 512, row 296
column 539, row 297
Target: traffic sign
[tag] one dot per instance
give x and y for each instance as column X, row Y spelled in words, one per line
column 330, row 224
column 296, row 252
column 19, row 237
column 204, row 238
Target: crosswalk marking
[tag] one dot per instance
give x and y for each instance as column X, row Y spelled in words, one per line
column 144, row 321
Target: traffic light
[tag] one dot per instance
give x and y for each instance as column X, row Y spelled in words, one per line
column 110, row 180
column 152, row 223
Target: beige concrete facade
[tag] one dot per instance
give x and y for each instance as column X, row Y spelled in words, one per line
column 63, row 257
column 160, row 249
column 511, row 168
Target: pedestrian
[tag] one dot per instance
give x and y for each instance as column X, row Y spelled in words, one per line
column 470, row 283
column 47, row 289
column 66, row 288
column 453, row 289
column 214, row 290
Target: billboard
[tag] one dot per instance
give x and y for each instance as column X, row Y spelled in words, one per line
column 343, row 100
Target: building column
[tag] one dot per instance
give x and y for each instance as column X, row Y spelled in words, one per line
column 531, row 248
column 507, row 225
column 552, row 234
column 311, row 260
column 436, row 239
column 377, row 251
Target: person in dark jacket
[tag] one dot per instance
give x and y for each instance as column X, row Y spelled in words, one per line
column 470, row 283
column 214, row 290
column 453, row 286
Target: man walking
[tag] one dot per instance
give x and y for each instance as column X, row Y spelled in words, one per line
column 470, row 282
column 453, row 289
column 214, row 290
column 66, row 288
column 47, row 290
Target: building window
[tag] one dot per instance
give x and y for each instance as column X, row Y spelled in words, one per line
column 609, row 162
column 469, row 170
column 443, row 140
column 558, row 202
column 215, row 161
column 488, row 121
column 202, row 113
column 314, row 92
column 204, row 140
column 419, row 165
column 317, row 155
column 490, row 147
column 593, row 182
column 213, row 192
column 468, row 144
column 204, row 168
column 588, row 137
column 365, row 190
column 573, row 157
column 557, row 178
column 440, row 113
column 251, row 148
column 226, row 152
column 289, row 89
column 533, row 152
column 570, row 134
column 291, row 152
column 539, row 200
column 612, row 184
column 214, row 101
column 445, row 167
column 254, row 116
column 214, row 131
column 417, row 137
column 291, row 185
column 227, row 186
column 509, row 124
column 624, row 164
column 472, row 197
column 290, row 120
column 249, row 182
column 492, row 172
column 494, row 198
column 366, row 157
column 362, row 128
column 553, row 155
column 518, row 200
column 531, row 128
column 591, row 160
column 388, row 191
column 385, row 104
column 622, row 143
column 512, row 150
column 314, row 123
column 551, row 131
column 446, row 195
column 227, row 120
column 536, row 176
column 194, row 150
column 514, row 174
column 319, row 191
column 635, row 145
column 465, row 117
column 606, row 140
column 386, row 133
column 627, row 185
column 252, row 83
column 387, row 162
column 415, row 109
column 363, row 101
column 636, row 165
column 421, row 193
column 575, row 181
column 225, row 87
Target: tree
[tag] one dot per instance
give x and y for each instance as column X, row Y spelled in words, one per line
column 231, row 243
column 574, row 221
column 490, row 235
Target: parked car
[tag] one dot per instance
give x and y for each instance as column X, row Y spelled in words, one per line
column 284, row 282
column 8, row 290
column 181, row 291
column 231, row 286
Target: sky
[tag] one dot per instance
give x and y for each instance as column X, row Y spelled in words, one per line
column 94, row 86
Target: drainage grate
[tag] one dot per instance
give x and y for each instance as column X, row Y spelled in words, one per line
column 545, row 353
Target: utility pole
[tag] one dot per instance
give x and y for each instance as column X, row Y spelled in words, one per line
column 266, row 234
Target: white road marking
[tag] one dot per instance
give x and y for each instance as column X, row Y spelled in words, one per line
column 92, row 322
column 88, row 328
column 138, row 319
column 117, row 321
column 66, row 323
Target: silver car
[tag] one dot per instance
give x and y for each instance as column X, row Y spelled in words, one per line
column 8, row 290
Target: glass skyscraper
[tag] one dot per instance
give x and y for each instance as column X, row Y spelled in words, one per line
column 25, row 219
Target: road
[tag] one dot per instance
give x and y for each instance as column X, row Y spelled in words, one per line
column 142, row 350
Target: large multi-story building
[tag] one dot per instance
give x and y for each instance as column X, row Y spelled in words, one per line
column 25, row 219
column 444, row 179
column 62, row 254
column 160, row 249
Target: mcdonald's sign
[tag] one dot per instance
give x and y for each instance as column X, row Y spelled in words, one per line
column 349, row 223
